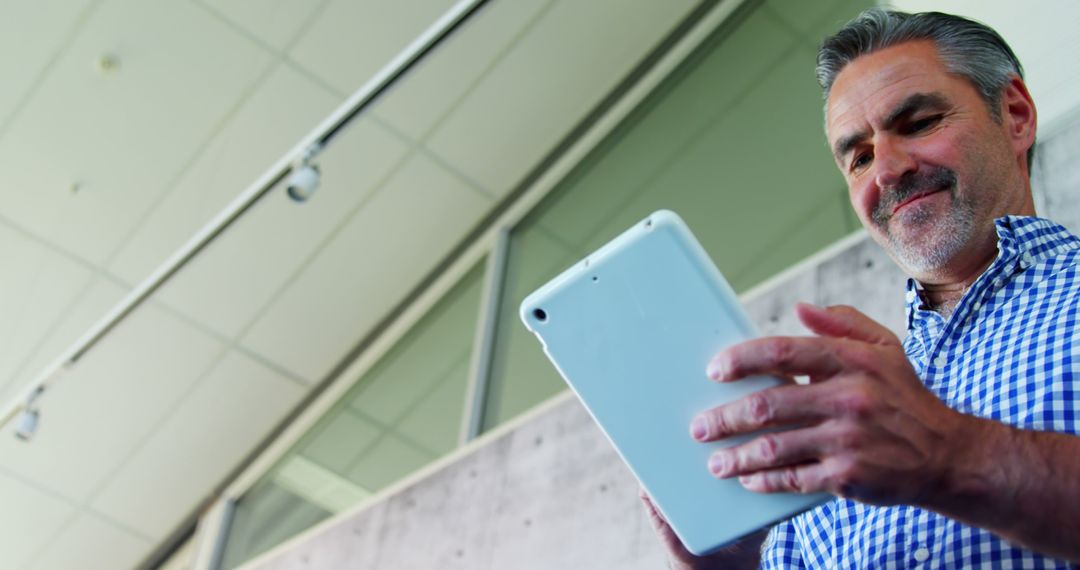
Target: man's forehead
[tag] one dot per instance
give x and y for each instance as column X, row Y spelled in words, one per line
column 868, row 87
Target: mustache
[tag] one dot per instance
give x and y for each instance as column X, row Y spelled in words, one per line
column 911, row 184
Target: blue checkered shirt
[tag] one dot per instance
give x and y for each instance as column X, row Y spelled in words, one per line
column 1010, row 352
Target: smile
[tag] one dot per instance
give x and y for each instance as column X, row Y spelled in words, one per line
column 916, row 197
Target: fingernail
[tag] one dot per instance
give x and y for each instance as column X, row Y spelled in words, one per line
column 744, row 480
column 714, row 369
column 698, row 428
column 716, row 465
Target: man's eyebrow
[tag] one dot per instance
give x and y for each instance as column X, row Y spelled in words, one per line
column 909, row 106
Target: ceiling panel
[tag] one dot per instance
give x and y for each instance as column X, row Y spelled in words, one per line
column 90, row 542
column 352, row 39
column 804, row 16
column 437, row 84
column 435, row 421
column 130, row 130
column 102, row 409
column 389, row 460
column 343, row 437
column 386, row 248
column 91, row 303
column 285, row 107
column 24, row 56
column 201, row 441
column 567, row 61
column 231, row 281
column 28, row 519
column 275, row 22
column 38, row 287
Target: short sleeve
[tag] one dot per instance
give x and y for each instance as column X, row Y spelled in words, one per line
column 780, row 551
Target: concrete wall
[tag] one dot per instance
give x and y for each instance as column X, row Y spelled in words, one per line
column 551, row 493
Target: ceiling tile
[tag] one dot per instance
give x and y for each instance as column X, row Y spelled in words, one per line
column 351, row 40
column 391, row 459
column 198, row 445
column 573, row 56
column 342, row 437
column 231, row 281
column 805, row 17
column 286, row 107
column 128, row 131
column 39, row 285
column 434, row 86
column 29, row 520
column 395, row 239
column 31, row 34
column 91, row 304
column 435, row 422
column 276, row 22
column 96, row 415
column 90, row 541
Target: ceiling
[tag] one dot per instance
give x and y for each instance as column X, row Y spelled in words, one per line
column 126, row 125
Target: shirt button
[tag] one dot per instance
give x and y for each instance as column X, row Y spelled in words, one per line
column 922, row 555
column 940, row 362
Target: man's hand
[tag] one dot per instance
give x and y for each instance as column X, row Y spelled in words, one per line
column 865, row 426
column 744, row 554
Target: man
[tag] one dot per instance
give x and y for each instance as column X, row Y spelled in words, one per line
column 956, row 448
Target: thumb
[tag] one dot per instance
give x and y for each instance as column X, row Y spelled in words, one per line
column 843, row 321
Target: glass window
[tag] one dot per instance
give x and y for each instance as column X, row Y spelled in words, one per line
column 405, row 412
column 732, row 141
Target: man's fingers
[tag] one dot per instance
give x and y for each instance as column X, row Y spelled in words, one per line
column 778, row 355
column 806, row 478
column 767, row 452
column 784, row 405
column 842, row 321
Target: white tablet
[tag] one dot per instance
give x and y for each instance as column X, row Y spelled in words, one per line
column 631, row 328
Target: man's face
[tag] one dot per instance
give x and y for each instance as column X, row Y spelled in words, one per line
column 927, row 166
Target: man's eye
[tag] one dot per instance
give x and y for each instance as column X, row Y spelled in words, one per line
column 860, row 161
column 923, row 124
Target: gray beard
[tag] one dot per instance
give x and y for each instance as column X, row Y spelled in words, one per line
column 943, row 237
column 940, row 237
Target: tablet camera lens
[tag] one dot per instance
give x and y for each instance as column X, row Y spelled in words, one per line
column 540, row 315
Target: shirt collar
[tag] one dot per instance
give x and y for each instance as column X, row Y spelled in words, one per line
column 1023, row 241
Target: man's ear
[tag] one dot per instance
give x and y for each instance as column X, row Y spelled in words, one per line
column 1018, row 115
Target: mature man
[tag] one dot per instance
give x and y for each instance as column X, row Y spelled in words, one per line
column 957, row 448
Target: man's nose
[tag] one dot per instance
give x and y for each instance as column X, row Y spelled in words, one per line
column 892, row 161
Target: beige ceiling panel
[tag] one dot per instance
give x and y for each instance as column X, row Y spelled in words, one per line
column 386, row 248
column 130, row 130
column 91, row 303
column 231, row 282
column 806, row 17
column 39, row 285
column 277, row 22
column 31, row 34
column 573, row 56
column 98, row 413
column 90, row 538
column 29, row 518
column 217, row 424
column 423, row 97
column 351, row 40
column 388, row 461
column 286, row 107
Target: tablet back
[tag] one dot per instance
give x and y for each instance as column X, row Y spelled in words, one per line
column 631, row 328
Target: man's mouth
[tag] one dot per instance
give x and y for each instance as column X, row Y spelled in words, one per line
column 914, row 197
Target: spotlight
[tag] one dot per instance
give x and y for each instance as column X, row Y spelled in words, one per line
column 304, row 179
column 27, row 424
column 303, row 182
column 26, row 427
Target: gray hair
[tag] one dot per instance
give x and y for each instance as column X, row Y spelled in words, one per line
column 967, row 48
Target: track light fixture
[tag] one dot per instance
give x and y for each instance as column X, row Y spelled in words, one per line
column 26, row 425
column 304, row 179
